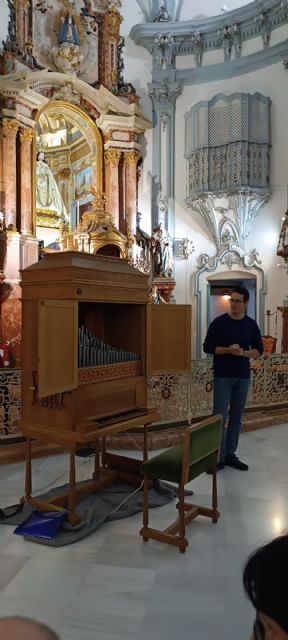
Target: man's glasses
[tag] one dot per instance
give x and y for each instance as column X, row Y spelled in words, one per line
column 236, row 301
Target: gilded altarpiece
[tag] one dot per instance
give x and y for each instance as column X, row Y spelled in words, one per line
column 68, row 138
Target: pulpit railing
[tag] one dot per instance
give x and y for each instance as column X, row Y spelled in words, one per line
column 176, row 396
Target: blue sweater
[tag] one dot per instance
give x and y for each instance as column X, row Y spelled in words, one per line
column 223, row 332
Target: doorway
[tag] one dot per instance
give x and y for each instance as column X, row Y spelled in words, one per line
column 219, row 291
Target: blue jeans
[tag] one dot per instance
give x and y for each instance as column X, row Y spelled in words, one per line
column 230, row 395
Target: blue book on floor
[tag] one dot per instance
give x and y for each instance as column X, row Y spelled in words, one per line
column 42, row 525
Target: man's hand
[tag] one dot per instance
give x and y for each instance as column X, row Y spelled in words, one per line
column 236, row 350
column 251, row 353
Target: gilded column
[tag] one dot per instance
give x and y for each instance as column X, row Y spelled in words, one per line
column 26, row 138
column 112, row 158
column 130, row 161
column 10, row 128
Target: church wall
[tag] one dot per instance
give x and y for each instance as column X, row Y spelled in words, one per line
column 138, row 72
column 270, row 81
column 4, row 13
column 266, row 227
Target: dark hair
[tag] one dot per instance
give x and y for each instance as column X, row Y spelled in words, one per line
column 265, row 580
column 242, row 292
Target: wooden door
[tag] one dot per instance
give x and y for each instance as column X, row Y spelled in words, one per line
column 57, row 346
column 168, row 338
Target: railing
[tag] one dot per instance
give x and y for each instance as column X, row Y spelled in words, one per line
column 176, row 396
column 179, row 397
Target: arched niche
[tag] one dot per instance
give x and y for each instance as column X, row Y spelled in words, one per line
column 88, row 132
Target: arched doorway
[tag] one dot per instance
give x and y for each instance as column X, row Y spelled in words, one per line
column 67, row 167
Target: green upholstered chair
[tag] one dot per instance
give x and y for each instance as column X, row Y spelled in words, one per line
column 181, row 464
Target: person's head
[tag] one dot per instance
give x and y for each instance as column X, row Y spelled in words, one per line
column 238, row 302
column 265, row 582
column 20, row 628
column 41, row 156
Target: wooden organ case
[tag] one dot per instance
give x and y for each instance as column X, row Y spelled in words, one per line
column 89, row 340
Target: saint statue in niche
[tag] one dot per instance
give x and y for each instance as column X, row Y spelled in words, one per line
column 282, row 248
column 48, row 197
column 162, row 252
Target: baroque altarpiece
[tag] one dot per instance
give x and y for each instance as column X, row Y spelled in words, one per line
column 70, row 154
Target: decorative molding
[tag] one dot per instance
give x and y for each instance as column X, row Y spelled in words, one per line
column 227, row 32
column 230, row 231
column 183, row 248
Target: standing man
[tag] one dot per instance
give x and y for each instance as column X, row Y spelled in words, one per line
column 233, row 338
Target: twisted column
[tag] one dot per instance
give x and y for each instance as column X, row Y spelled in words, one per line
column 26, row 138
column 10, row 128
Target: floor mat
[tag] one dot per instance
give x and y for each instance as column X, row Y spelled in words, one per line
column 119, row 500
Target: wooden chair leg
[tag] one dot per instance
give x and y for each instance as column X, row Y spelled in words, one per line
column 145, row 443
column 145, row 507
column 214, row 495
column 96, row 460
column 181, row 510
column 72, row 516
column 28, row 470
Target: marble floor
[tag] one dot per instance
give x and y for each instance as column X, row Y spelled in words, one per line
column 112, row 586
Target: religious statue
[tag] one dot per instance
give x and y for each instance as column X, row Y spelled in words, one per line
column 155, row 297
column 2, row 221
column 48, row 197
column 68, row 31
column 282, row 248
column 163, row 15
column 162, row 252
column 163, row 50
column 66, row 56
column 42, row 6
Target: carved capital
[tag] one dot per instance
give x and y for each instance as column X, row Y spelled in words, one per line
column 131, row 157
column 113, row 21
column 24, row 4
column 27, row 135
column 10, row 128
column 164, row 96
column 112, row 156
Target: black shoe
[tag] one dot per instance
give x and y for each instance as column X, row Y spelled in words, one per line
column 219, row 467
column 233, row 461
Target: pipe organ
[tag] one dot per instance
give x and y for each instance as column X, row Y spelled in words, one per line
column 90, row 338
